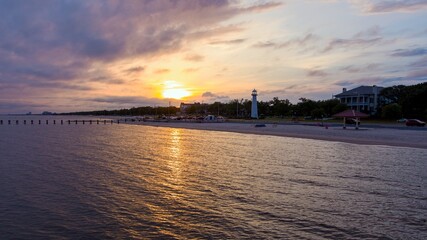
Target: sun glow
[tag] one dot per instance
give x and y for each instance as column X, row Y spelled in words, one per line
column 174, row 90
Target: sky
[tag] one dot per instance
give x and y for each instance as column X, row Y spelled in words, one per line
column 64, row 56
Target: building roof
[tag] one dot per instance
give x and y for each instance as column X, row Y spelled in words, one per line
column 351, row 113
column 362, row 90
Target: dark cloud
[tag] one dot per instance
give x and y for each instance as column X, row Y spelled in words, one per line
column 409, row 52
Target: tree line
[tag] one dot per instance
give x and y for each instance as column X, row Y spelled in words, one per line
column 404, row 101
column 237, row 108
column 395, row 102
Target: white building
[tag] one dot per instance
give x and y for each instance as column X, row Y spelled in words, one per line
column 254, row 112
column 363, row 98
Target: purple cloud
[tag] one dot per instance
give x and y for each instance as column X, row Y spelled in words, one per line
column 396, row 5
column 409, row 52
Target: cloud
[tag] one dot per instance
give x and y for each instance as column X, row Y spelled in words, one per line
column 162, row 71
column 266, row 44
column 263, row 7
column 208, row 94
column 361, row 81
column 136, row 69
column 409, row 52
column 20, row 107
column 316, row 73
column 418, row 74
column 351, row 43
column 422, row 62
column 383, row 6
column 234, row 41
column 213, row 96
column 107, row 80
column 194, row 57
column 127, row 100
column 357, row 69
column 299, row 42
column 370, row 32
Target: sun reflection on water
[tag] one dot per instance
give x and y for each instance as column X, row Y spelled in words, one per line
column 175, row 159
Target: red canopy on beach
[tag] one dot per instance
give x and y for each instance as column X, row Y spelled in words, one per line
column 351, row 113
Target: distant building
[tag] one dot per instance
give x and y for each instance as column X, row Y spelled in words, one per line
column 184, row 106
column 363, row 98
column 199, row 108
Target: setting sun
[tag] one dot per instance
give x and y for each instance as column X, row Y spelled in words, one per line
column 174, row 90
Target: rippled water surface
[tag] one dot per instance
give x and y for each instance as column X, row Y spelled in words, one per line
column 125, row 181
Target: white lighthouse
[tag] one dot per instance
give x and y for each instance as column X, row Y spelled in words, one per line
column 254, row 112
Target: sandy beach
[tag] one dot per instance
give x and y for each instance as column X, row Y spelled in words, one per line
column 369, row 136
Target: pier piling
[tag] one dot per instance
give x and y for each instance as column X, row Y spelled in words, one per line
column 62, row 121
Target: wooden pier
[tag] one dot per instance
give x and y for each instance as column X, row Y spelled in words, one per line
column 67, row 122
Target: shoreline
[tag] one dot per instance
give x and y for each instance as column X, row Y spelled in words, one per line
column 364, row 136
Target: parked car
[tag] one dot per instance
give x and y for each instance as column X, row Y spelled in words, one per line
column 352, row 121
column 402, row 120
column 415, row 122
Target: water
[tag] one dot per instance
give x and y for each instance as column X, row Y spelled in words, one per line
column 125, row 181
